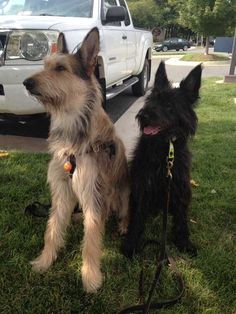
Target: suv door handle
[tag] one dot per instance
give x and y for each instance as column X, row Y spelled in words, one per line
column 124, row 37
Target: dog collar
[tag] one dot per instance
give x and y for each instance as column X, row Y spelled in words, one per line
column 108, row 147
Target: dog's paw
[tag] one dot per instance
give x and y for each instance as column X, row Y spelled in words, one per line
column 127, row 249
column 91, row 279
column 191, row 249
column 187, row 247
column 42, row 263
column 123, row 228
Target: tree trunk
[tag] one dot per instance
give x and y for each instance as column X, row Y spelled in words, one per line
column 202, row 43
column 207, row 46
column 197, row 40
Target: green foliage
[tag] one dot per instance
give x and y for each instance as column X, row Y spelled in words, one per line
column 208, row 17
column 145, row 13
column 203, row 57
column 153, row 13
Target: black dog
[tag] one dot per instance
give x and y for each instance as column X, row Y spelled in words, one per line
column 168, row 115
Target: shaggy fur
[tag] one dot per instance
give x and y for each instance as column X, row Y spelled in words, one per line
column 168, row 114
column 71, row 94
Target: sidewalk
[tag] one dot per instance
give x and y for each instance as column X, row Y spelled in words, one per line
column 21, row 143
column 127, row 127
column 175, row 60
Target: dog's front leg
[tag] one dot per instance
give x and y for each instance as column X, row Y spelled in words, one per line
column 63, row 203
column 136, row 226
column 92, row 243
column 180, row 229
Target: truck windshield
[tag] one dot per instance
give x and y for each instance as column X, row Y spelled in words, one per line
column 76, row 8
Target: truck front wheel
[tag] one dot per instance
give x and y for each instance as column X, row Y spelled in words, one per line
column 140, row 88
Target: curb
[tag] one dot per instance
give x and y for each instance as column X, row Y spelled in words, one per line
column 176, row 61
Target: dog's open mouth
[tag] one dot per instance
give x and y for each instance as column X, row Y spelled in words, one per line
column 151, row 130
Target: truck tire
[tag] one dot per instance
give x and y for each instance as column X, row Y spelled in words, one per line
column 140, row 88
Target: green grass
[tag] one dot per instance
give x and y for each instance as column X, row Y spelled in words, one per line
column 201, row 57
column 210, row 277
column 169, row 53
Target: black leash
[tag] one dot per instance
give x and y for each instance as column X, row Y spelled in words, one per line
column 163, row 258
column 40, row 210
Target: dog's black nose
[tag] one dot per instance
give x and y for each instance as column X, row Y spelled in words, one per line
column 29, row 84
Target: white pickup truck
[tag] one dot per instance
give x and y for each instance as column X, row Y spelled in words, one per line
column 30, row 30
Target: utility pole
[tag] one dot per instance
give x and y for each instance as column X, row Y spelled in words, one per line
column 232, row 77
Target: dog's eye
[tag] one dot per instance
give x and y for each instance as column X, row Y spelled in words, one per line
column 60, row 68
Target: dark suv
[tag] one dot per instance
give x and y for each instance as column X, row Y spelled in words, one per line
column 173, row 43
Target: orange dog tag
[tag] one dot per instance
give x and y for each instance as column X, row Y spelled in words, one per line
column 67, row 166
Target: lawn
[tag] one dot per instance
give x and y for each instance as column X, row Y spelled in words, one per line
column 168, row 53
column 210, row 277
column 201, row 57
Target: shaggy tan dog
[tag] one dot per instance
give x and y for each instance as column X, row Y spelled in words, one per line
column 82, row 135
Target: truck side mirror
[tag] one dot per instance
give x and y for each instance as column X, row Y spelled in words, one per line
column 115, row 14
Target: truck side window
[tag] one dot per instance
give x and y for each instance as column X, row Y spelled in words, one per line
column 127, row 18
column 107, row 5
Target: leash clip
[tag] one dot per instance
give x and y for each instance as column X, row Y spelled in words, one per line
column 170, row 160
column 169, row 167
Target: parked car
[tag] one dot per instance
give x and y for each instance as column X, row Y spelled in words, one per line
column 31, row 30
column 173, row 43
column 211, row 41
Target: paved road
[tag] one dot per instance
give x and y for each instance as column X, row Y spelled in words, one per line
column 31, row 136
column 176, row 73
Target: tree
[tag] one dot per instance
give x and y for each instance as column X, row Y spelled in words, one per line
column 153, row 13
column 208, row 17
column 145, row 13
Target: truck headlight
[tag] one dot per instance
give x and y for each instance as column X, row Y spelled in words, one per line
column 32, row 45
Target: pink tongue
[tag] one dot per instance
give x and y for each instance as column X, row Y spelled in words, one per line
column 151, row 130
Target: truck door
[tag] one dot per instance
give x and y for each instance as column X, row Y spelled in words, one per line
column 130, row 35
column 114, row 44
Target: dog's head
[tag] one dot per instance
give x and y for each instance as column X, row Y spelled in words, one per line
column 67, row 78
column 170, row 110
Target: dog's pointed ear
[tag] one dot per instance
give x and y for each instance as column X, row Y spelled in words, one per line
column 192, row 83
column 161, row 80
column 89, row 50
column 61, row 44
